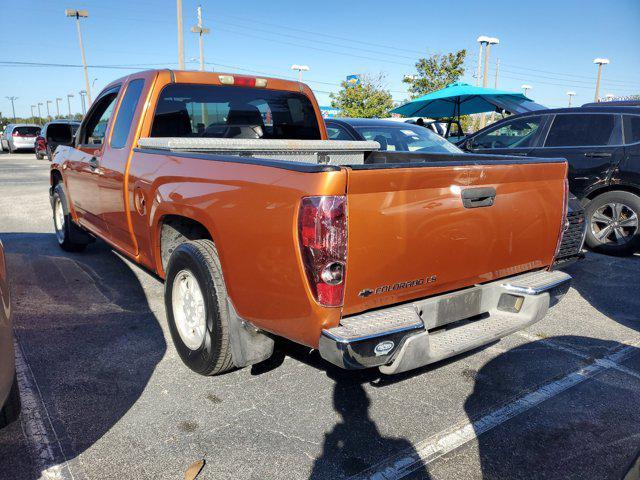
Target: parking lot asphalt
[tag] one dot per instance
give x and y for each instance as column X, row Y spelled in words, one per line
column 105, row 395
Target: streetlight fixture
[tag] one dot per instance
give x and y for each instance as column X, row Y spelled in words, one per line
column 69, row 97
column 600, row 62
column 526, row 87
column 78, row 14
column 300, row 69
column 82, row 94
column 58, row 100
column 570, row 94
column 485, row 77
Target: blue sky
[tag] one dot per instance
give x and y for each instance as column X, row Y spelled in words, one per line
column 547, row 44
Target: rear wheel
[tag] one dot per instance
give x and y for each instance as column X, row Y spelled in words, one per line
column 70, row 237
column 613, row 223
column 196, row 304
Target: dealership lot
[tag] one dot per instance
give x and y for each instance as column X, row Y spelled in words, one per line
column 105, row 395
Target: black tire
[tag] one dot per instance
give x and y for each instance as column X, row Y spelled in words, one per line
column 11, row 409
column 600, row 208
column 71, row 238
column 200, row 259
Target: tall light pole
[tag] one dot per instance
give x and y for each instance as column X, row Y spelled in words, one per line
column 33, row 112
column 482, row 40
column 495, row 85
column 300, row 69
column 58, row 100
column 485, row 77
column 48, row 114
column 200, row 30
column 13, row 107
column 600, row 62
column 570, row 94
column 39, row 112
column 69, row 97
column 82, row 94
column 526, row 88
column 180, row 35
column 78, row 14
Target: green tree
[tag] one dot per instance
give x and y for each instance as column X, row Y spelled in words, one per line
column 436, row 72
column 367, row 99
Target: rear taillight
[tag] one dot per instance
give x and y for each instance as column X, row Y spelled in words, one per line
column 565, row 222
column 241, row 81
column 40, row 142
column 322, row 227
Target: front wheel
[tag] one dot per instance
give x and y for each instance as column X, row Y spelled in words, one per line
column 67, row 233
column 613, row 223
column 196, row 303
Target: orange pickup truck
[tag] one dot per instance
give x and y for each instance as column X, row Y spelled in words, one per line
column 227, row 188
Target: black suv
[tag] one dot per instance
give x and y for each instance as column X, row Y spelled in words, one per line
column 602, row 146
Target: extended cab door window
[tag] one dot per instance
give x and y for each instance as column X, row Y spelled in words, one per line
column 513, row 134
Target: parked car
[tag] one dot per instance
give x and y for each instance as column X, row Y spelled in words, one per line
column 226, row 187
column 19, row 137
column 602, row 146
column 9, row 395
column 53, row 134
column 390, row 134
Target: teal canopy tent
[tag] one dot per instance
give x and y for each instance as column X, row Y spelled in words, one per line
column 464, row 99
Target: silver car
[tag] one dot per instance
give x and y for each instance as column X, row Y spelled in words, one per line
column 9, row 396
column 19, row 136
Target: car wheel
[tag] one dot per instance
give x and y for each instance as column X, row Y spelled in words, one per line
column 196, row 303
column 11, row 409
column 70, row 237
column 613, row 223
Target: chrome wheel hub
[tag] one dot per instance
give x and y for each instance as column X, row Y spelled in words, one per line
column 614, row 223
column 188, row 309
column 58, row 219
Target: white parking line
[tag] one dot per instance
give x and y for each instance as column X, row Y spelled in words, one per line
column 403, row 463
column 34, row 418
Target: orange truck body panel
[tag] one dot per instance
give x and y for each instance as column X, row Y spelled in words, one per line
column 404, row 224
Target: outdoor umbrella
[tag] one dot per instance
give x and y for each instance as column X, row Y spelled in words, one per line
column 464, row 99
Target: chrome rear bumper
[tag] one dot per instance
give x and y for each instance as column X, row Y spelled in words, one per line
column 411, row 335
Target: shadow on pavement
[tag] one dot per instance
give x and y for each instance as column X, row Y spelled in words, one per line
column 585, row 427
column 84, row 324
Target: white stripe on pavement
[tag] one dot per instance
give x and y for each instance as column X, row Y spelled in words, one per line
column 34, row 418
column 403, row 463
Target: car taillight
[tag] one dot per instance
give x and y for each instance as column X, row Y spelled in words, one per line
column 565, row 222
column 322, row 228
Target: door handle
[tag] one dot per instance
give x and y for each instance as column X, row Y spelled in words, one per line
column 478, row 197
column 597, row 154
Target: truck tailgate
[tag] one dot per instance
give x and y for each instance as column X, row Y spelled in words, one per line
column 410, row 235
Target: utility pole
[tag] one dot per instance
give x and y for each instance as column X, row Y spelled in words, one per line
column 33, row 113
column 200, row 30
column 39, row 112
column 180, row 36
column 570, row 94
column 78, row 14
column 82, row 94
column 482, row 40
column 600, row 62
column 485, row 77
column 13, row 107
column 58, row 100
column 48, row 114
column 69, row 97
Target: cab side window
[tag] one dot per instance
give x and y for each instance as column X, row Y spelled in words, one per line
column 97, row 120
column 336, row 132
column 517, row 133
column 631, row 129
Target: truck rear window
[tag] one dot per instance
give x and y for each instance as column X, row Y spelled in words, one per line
column 213, row 111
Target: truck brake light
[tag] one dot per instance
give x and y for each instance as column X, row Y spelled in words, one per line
column 564, row 225
column 322, row 229
column 241, row 81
